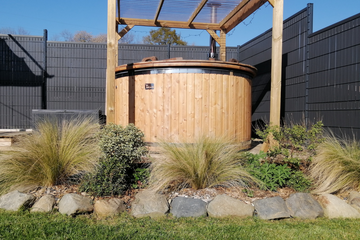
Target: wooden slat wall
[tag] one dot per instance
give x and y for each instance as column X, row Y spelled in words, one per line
column 185, row 106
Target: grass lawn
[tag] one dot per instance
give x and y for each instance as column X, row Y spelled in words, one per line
column 23, row 225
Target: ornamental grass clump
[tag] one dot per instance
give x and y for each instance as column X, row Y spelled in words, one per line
column 336, row 167
column 208, row 162
column 50, row 155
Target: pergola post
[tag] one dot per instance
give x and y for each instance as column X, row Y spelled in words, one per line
column 276, row 62
column 112, row 53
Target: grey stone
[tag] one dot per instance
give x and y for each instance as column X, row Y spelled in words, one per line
column 44, row 204
column 271, row 208
column 224, row 206
column 188, row 207
column 72, row 203
column 147, row 203
column 105, row 208
column 16, row 200
column 334, row 207
column 303, row 205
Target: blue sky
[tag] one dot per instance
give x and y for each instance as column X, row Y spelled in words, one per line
column 91, row 16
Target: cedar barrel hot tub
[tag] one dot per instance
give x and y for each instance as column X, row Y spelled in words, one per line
column 183, row 99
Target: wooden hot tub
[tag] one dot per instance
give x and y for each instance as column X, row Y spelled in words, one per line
column 183, row 99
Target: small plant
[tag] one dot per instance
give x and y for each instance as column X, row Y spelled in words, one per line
column 52, row 154
column 206, row 163
column 275, row 175
column 336, row 167
column 248, row 192
column 141, row 177
column 122, row 148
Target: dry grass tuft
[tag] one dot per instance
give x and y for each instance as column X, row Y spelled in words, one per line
column 51, row 154
column 207, row 163
column 336, row 166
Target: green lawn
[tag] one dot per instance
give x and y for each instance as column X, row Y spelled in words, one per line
column 23, row 225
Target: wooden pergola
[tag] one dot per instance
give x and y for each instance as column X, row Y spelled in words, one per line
column 209, row 15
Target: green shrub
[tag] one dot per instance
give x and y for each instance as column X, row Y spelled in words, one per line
column 51, row 154
column 140, row 177
column 295, row 137
column 122, row 148
column 275, row 175
column 206, row 163
column 336, row 167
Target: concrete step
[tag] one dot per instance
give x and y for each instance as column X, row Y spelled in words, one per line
column 6, row 142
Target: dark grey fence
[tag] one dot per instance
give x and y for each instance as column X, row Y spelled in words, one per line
column 321, row 73
column 320, row 80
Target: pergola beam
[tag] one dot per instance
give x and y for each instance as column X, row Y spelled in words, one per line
column 196, row 12
column 158, row 11
column 233, row 12
column 124, row 31
column 242, row 14
column 169, row 24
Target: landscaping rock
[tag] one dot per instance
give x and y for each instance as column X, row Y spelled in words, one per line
column 105, row 208
column 44, row 204
column 16, row 200
column 334, row 207
column 303, row 205
column 149, row 204
column 354, row 200
column 271, row 208
column 224, row 206
column 72, row 203
column 188, row 207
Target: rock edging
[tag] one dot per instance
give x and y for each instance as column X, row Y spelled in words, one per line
column 150, row 204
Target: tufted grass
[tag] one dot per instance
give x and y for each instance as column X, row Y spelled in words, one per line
column 24, row 225
column 336, row 166
column 206, row 163
column 51, row 154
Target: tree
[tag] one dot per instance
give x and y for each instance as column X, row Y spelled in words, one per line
column 18, row 31
column 84, row 36
column 163, row 36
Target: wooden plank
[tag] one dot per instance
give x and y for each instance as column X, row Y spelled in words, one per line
column 222, row 45
column 199, row 105
column 158, row 11
column 276, row 56
column 225, row 96
column 131, row 100
column 219, row 124
column 205, row 111
column 242, row 14
column 124, row 31
column 237, row 110
column 233, row 12
column 212, row 104
column 159, row 91
column 111, row 62
column 232, row 104
column 152, row 103
column 167, row 105
column 248, row 110
column 174, row 126
column 147, row 98
column 182, row 106
column 139, row 103
column 196, row 12
column 272, row 2
column 190, row 99
column 167, row 23
column 214, row 35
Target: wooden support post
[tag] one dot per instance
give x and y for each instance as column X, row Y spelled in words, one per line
column 112, row 52
column 221, row 41
column 222, row 45
column 276, row 61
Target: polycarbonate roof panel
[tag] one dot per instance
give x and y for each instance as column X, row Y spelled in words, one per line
column 178, row 10
column 222, row 9
column 142, row 9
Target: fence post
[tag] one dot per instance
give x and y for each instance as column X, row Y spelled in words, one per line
column 44, row 73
